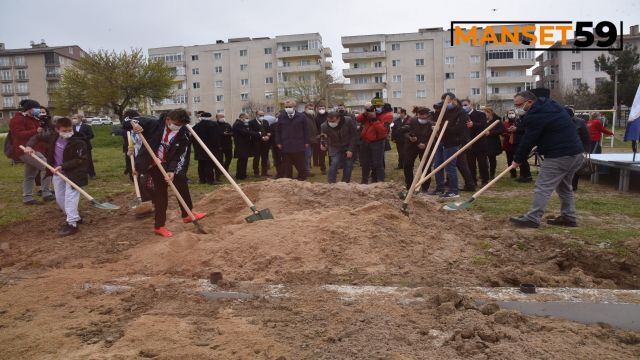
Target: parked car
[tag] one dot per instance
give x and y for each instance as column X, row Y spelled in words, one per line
column 117, row 130
column 99, row 120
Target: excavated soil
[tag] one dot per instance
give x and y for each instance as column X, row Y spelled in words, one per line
column 116, row 291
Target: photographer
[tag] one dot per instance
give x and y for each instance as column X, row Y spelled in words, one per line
column 24, row 125
column 339, row 136
column 416, row 136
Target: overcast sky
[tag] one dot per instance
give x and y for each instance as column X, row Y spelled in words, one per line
column 120, row 24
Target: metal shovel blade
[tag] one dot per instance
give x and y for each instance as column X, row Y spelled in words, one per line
column 199, row 228
column 105, row 205
column 135, row 203
column 264, row 214
column 458, row 205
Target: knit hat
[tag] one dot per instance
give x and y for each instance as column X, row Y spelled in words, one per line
column 28, row 104
column 377, row 101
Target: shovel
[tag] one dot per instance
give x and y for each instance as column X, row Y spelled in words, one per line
column 94, row 202
column 458, row 205
column 137, row 205
column 171, row 185
column 257, row 214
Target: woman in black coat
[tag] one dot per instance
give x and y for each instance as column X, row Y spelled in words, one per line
column 243, row 138
column 494, row 143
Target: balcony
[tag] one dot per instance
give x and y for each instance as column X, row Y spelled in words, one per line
column 54, row 76
column 363, row 71
column 368, row 86
column 300, row 68
column 6, row 80
column 7, row 93
column 20, row 66
column 538, row 70
column 526, row 63
column 51, row 90
column 5, row 65
column 355, row 103
column 22, row 92
column 8, row 106
column 504, row 97
column 52, row 63
column 299, row 53
column 509, row 79
column 346, row 57
column 22, row 78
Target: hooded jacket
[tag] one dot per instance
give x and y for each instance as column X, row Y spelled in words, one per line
column 74, row 157
column 342, row 137
column 23, row 128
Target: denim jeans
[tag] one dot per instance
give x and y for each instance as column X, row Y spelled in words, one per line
column 308, row 155
column 338, row 160
column 372, row 157
column 442, row 154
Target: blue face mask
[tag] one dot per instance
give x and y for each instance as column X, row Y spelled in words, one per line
column 450, row 106
column 467, row 108
column 35, row 112
column 378, row 110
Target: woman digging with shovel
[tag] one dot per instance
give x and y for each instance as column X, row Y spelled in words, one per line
column 169, row 140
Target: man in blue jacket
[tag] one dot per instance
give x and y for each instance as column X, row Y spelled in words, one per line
column 549, row 127
column 292, row 139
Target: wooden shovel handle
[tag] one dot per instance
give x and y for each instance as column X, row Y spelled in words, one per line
column 133, row 167
column 484, row 188
column 433, row 153
column 66, row 179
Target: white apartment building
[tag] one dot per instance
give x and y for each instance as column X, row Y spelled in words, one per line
column 242, row 74
column 416, row 68
column 564, row 71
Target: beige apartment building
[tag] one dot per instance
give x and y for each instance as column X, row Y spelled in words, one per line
column 565, row 71
column 32, row 73
column 243, row 74
column 416, row 68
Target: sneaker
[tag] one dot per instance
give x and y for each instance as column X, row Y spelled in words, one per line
column 468, row 188
column 436, row 193
column 524, row 179
column 449, row 195
column 48, row 198
column 523, row 221
column 33, row 202
column 163, row 231
column 198, row 216
column 562, row 221
column 67, row 230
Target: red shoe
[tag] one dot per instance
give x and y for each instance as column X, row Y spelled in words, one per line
column 163, row 231
column 198, row 216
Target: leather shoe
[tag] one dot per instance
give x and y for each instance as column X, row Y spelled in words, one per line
column 523, row 221
column 562, row 221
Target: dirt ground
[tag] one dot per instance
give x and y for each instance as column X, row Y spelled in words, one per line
column 116, row 291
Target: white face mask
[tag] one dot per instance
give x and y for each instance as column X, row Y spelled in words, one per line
column 310, row 112
column 423, row 121
column 520, row 111
column 174, row 127
column 322, row 111
column 75, row 121
column 221, row 119
column 260, row 118
column 511, row 116
column 332, row 124
column 289, row 110
column 66, row 135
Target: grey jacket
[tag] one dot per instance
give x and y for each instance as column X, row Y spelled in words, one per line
column 342, row 137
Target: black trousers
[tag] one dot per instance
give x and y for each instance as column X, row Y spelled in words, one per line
column 409, row 160
column 241, row 168
column 261, row 158
column 277, row 161
column 297, row 159
column 480, row 159
column 401, row 154
column 525, row 169
column 160, row 196
column 492, row 165
column 205, row 171
column 127, row 166
column 224, row 157
column 91, row 169
column 463, row 166
column 319, row 157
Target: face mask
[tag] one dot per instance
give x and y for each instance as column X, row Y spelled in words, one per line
column 245, row 121
column 221, row 120
column 35, row 112
column 511, row 116
column 450, row 106
column 322, row 111
column 520, row 112
column 378, row 110
column 423, row 121
column 174, row 127
column 332, row 124
column 75, row 122
column 260, row 118
column 66, row 135
column 289, row 110
column 466, row 108
column 310, row 112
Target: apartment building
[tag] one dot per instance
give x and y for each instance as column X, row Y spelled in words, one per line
column 243, row 74
column 565, row 71
column 32, row 73
column 416, row 68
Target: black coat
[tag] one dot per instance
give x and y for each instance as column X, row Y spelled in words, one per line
column 292, row 132
column 262, row 127
column 209, row 132
column 494, row 143
column 479, row 121
column 420, row 131
column 74, row 157
column 397, row 131
column 86, row 132
column 226, row 131
column 243, row 136
column 583, row 133
column 177, row 158
column 342, row 137
column 456, row 132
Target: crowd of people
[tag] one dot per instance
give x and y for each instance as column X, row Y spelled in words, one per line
column 303, row 140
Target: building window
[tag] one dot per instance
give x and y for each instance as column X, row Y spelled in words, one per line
column 600, row 81
column 268, row 51
column 244, row 96
column 217, row 56
column 419, row 46
column 378, row 79
column 194, row 57
column 19, row 61
column 268, row 65
column 576, row 82
column 5, row 61
column 396, row 78
column 375, row 47
column 500, row 54
column 395, row 63
column 474, row 59
column 286, row 48
column 377, row 64
column 21, row 75
column 181, row 85
column 244, row 82
column 219, row 111
column 219, row 83
column 196, row 85
column 449, row 76
column 419, row 77
column 7, row 89
column 22, row 88
column 475, row 91
column 268, row 80
column 7, row 101
column 268, row 95
column 395, row 47
column 219, row 98
column 575, row 51
column 450, row 60
column 361, row 80
column 6, row 74
column 419, row 62
column 243, row 52
column 420, row 94
column 576, row 65
column 196, row 99
column 195, row 71
column 244, row 67
column 496, row 90
column 218, row 69
column 474, row 74
column 397, row 94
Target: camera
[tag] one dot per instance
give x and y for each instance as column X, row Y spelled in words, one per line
column 323, row 140
column 438, row 106
column 45, row 121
